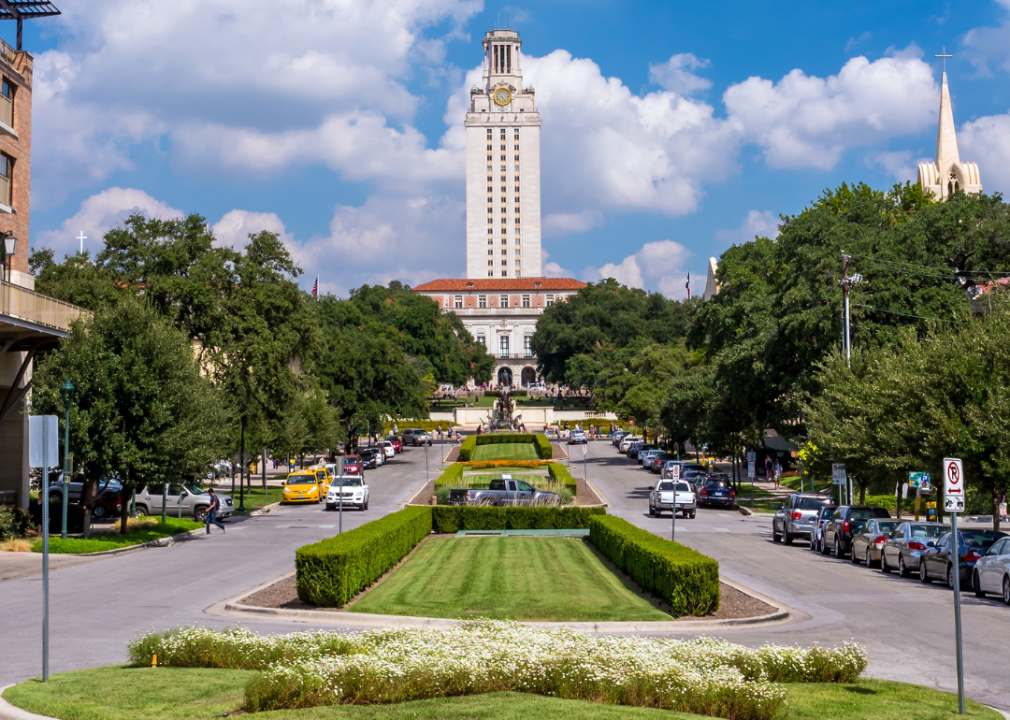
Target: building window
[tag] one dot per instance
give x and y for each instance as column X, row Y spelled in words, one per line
column 7, row 102
column 526, row 346
column 6, row 171
column 482, row 301
column 504, row 272
column 504, row 345
column 503, row 301
column 480, row 339
column 550, row 300
column 490, row 273
column 490, row 252
column 459, row 301
column 504, row 262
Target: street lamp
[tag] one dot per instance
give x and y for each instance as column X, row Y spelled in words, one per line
column 10, row 246
column 67, row 391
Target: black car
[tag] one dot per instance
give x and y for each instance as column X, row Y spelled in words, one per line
column 368, row 457
column 717, row 490
column 935, row 562
column 846, row 521
column 637, row 448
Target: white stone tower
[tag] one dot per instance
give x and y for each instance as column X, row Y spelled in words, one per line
column 502, row 167
column 948, row 174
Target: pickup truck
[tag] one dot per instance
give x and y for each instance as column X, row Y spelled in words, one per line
column 506, row 491
column 662, row 498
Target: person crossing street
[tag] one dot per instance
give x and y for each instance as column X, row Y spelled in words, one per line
column 215, row 504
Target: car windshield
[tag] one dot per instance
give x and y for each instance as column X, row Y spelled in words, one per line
column 197, row 490
column 862, row 514
column 927, row 531
column 977, row 538
column 347, row 480
column 302, row 479
column 886, row 527
column 811, row 503
column 713, row 483
column 350, row 461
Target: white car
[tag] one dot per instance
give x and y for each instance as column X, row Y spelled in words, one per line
column 628, row 442
column 387, row 448
column 348, row 490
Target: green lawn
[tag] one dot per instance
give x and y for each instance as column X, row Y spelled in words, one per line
column 506, row 451
column 115, row 693
column 112, row 540
column 254, row 498
column 519, row 578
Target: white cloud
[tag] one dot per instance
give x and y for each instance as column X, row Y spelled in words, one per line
column 763, row 223
column 233, row 230
column 986, row 141
column 552, row 269
column 101, row 213
column 676, row 74
column 557, row 224
column 900, row 164
column 805, row 121
column 656, row 266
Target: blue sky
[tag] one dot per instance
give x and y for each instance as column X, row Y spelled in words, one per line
column 670, row 130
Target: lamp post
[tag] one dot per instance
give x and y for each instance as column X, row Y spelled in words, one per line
column 10, row 246
column 67, row 391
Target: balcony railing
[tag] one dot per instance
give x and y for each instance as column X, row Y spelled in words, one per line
column 30, row 306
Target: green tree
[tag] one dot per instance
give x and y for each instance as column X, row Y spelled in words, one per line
column 141, row 411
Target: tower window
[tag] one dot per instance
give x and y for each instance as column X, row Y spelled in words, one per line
column 459, row 301
column 550, row 300
column 482, row 301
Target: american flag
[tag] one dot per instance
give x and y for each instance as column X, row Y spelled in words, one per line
column 315, row 288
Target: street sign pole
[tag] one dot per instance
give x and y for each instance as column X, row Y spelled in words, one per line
column 953, row 502
column 675, row 476
column 43, row 445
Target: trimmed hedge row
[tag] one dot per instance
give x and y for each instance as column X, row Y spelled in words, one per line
column 452, row 519
column 684, row 578
column 540, row 442
column 559, row 474
column 497, row 394
column 452, row 475
column 332, row 571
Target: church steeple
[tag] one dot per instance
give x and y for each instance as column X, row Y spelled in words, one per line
column 948, row 174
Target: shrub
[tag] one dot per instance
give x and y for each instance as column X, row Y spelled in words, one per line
column 331, row 572
column 495, row 464
column 684, row 578
column 544, row 449
column 467, row 447
column 453, row 474
column 540, row 442
column 559, row 474
column 14, row 522
column 452, row 519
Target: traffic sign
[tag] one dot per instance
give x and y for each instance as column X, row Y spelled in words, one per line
column 919, row 480
column 751, row 456
column 675, row 473
column 953, row 485
column 838, row 473
column 751, row 469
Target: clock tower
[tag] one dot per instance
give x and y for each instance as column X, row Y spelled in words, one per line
column 502, row 167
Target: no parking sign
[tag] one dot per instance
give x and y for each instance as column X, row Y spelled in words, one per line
column 953, row 485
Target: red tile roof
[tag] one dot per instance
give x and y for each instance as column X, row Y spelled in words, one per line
column 526, row 283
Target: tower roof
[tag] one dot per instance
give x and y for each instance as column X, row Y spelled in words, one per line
column 946, row 138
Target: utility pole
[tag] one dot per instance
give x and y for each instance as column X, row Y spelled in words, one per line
column 847, row 284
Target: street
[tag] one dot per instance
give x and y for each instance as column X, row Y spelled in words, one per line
column 908, row 628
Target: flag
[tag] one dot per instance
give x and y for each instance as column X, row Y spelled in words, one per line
column 688, row 285
column 315, row 288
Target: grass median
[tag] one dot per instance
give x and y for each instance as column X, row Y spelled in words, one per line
column 139, row 531
column 517, row 578
column 117, row 693
column 505, row 451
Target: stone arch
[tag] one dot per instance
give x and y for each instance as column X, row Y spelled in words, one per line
column 529, row 376
column 505, row 377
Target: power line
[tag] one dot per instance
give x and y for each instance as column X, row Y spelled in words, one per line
column 892, row 312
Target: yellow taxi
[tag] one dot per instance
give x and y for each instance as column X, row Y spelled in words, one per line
column 305, row 486
column 324, row 473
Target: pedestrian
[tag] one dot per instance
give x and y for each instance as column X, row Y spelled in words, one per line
column 768, row 467
column 215, row 503
column 1003, row 508
column 777, row 469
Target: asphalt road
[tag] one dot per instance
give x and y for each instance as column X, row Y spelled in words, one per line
column 907, row 627
column 97, row 607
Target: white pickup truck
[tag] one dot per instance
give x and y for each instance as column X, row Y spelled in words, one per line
column 661, row 498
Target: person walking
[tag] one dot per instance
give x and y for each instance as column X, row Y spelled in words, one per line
column 215, row 504
column 777, row 469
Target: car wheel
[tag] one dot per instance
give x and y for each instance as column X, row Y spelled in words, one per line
column 788, row 538
column 331, row 506
column 98, row 512
column 365, row 506
column 775, row 536
column 853, row 555
column 141, row 511
column 976, row 585
column 924, row 574
column 200, row 514
column 883, row 564
column 838, row 549
column 652, row 511
column 902, row 568
column 869, row 558
column 1006, row 590
column 694, row 514
column 950, row 576
column 823, row 547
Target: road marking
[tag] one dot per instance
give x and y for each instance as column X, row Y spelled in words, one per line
column 328, row 527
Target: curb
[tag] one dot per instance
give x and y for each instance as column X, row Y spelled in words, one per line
column 160, row 542
column 234, row 608
column 265, row 510
column 10, row 712
column 746, row 512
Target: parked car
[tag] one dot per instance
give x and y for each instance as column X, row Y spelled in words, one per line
column 992, row 571
column 302, row 486
column 823, row 513
column 616, row 437
column 846, row 521
column 796, row 516
column 662, row 498
column 717, row 490
column 904, row 547
column 506, row 491
column 348, row 490
column 636, row 450
column 351, row 465
column 937, row 562
column 387, row 448
column 191, row 499
column 578, row 437
column 75, row 491
column 647, row 457
column 370, row 457
column 396, row 442
column 685, row 468
column 654, row 463
column 626, row 442
column 416, row 437
column 868, row 542
column 695, row 477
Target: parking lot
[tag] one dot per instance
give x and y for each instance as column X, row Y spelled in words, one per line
column 907, row 627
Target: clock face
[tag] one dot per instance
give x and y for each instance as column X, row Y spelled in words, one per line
column 503, row 96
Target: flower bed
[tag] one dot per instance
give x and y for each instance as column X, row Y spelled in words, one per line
column 702, row 676
column 495, row 464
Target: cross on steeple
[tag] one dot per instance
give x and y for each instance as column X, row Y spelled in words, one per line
column 943, row 54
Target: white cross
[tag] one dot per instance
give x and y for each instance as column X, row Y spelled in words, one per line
column 82, row 237
column 944, row 55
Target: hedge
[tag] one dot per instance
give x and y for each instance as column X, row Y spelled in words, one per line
column 684, row 578
column 540, row 442
column 497, row 394
column 452, row 475
column 559, row 473
column 452, row 519
column 332, row 571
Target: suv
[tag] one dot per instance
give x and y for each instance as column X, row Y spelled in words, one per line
column 415, row 436
column 796, row 516
column 716, row 489
column 192, row 501
column 815, row 531
column 845, row 522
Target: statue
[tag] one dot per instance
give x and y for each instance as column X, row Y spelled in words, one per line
column 501, row 417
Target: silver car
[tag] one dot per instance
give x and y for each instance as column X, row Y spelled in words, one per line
column 992, row 571
column 868, row 542
column 904, row 547
column 797, row 516
column 187, row 500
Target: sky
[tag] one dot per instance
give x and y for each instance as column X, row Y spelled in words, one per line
column 670, row 130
